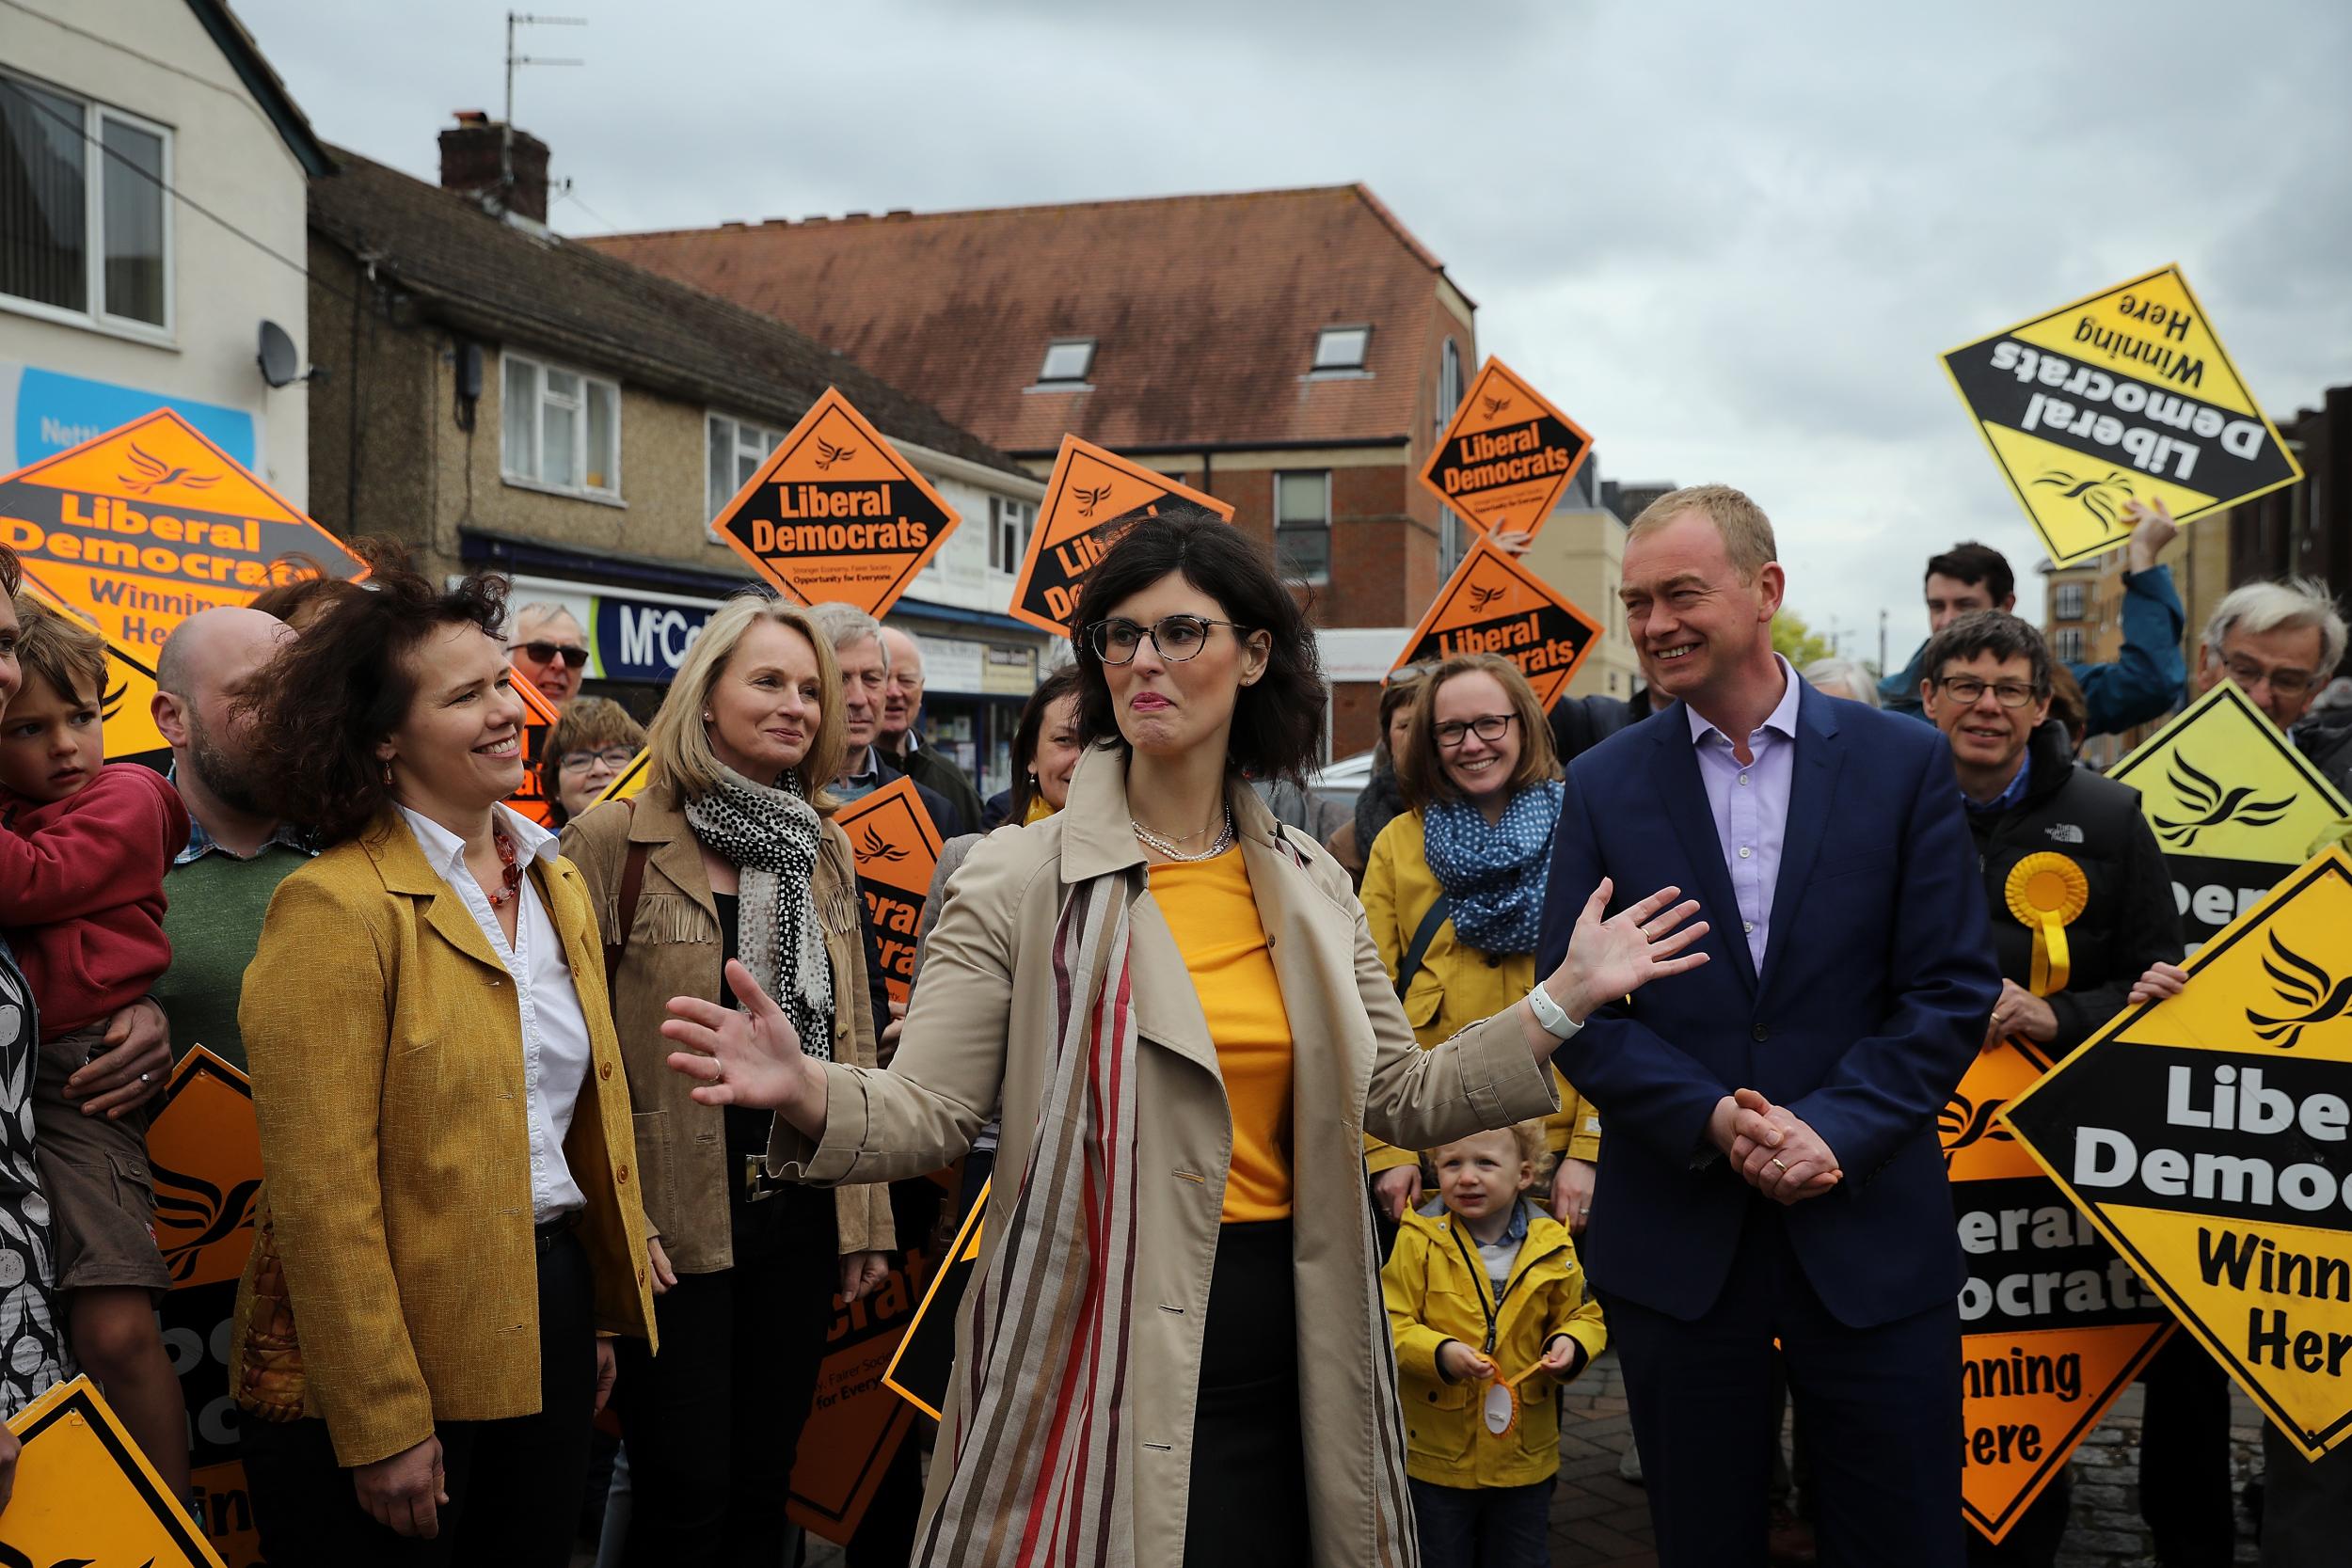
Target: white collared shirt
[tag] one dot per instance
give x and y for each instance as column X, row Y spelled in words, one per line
column 556, row 1050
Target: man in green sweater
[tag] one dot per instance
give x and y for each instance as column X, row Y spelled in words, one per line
column 220, row 886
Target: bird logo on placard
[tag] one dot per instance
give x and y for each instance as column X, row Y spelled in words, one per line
column 2211, row 806
column 2303, row 983
column 191, row 1214
column 873, row 846
column 1480, row 597
column 828, row 454
column 2101, row 498
column 1493, row 405
column 110, row 704
column 1962, row 1123
column 150, row 473
column 1089, row 500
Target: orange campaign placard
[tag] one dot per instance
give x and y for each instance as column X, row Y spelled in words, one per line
column 205, row 1150
column 1493, row 605
column 128, row 703
column 86, row 1494
column 151, row 523
column 539, row 716
column 1090, row 500
column 2054, row 1324
column 855, row 1424
column 897, row 850
column 1507, row 455
column 836, row 515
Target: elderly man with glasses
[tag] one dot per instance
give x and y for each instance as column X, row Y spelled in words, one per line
column 2281, row 644
column 549, row 650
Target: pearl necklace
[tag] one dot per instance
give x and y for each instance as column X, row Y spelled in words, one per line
column 1164, row 846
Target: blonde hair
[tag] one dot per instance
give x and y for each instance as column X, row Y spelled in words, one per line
column 1421, row 771
column 1529, row 1135
column 1747, row 533
column 680, row 744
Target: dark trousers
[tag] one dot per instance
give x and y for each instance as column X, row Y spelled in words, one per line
column 2033, row 1541
column 514, row 1484
column 1483, row 1527
column 1247, row 1507
column 2185, row 1457
column 712, row 1422
column 1887, row 1490
column 885, row 1536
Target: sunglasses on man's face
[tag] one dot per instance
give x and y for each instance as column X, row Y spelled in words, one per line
column 546, row 653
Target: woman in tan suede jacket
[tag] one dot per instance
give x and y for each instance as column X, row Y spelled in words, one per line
column 746, row 1268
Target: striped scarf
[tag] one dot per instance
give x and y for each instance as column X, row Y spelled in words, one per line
column 1038, row 1475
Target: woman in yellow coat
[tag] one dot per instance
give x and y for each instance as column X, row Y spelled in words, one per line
column 1478, row 764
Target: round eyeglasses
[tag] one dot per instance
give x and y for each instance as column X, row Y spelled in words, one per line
column 1177, row 637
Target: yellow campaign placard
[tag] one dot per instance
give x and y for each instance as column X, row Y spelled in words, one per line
column 2124, row 395
column 2234, row 805
column 86, row 1494
column 897, row 849
column 919, row 1372
column 127, row 707
column 2054, row 1327
column 2209, row 1137
column 836, row 515
column 151, row 523
column 1493, row 605
column 630, row 779
column 1506, row 454
column 1091, row 498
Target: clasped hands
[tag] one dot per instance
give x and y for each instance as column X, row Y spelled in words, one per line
column 1773, row 1148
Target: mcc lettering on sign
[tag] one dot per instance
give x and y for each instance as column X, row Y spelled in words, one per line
column 835, row 514
column 1493, row 605
column 2054, row 1326
column 2124, row 395
column 2209, row 1137
column 2234, row 805
column 1093, row 497
column 1505, row 455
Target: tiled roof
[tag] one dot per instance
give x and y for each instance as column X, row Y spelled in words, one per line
column 506, row 284
column 1204, row 309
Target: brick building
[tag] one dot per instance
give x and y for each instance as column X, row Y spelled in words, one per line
column 2304, row 529
column 1296, row 352
column 502, row 397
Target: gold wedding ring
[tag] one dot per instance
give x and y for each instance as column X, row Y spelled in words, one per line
column 1781, row 1162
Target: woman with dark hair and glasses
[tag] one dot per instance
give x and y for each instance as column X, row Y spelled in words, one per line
column 1177, row 1004
column 1454, row 891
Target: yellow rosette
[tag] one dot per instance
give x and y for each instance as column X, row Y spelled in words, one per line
column 2047, row 893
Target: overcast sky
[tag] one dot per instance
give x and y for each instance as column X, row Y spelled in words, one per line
column 1728, row 239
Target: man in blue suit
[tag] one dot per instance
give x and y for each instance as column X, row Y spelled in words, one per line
column 1772, row 1170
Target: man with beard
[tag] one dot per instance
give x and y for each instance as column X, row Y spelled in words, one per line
column 220, row 886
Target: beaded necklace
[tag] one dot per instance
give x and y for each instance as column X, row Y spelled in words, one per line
column 511, row 877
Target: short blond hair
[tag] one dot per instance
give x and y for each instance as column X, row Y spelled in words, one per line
column 680, row 746
column 1747, row 533
column 1529, row 1135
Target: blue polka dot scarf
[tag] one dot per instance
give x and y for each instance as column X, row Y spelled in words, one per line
column 1494, row 873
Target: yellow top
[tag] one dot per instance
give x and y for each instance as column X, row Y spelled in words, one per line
column 1215, row 919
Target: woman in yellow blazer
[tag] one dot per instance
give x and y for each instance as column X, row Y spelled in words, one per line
column 1477, row 762
column 1175, row 1002
column 448, row 1225
column 746, row 1268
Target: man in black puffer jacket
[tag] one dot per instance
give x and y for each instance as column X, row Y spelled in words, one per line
column 1985, row 683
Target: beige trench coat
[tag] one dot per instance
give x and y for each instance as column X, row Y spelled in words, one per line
column 980, row 1032
column 674, row 950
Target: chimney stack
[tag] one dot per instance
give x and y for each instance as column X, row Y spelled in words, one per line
column 504, row 170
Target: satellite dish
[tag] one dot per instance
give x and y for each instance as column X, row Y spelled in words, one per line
column 280, row 365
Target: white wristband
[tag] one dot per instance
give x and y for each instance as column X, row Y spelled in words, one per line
column 1553, row 1018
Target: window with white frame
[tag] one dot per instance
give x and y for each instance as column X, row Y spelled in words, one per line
column 1067, row 362
column 560, row 429
column 736, row 449
column 84, row 225
column 1302, row 523
column 2067, row 604
column 1007, row 533
column 1341, row 348
column 2067, row 643
column 1452, row 545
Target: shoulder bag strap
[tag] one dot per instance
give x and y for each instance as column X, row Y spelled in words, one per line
column 1426, row 933
column 632, row 883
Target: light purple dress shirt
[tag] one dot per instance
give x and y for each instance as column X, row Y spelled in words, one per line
column 1751, row 806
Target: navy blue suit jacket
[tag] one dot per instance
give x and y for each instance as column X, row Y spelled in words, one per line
column 1875, row 992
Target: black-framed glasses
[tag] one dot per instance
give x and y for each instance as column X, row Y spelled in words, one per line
column 1178, row 637
column 572, row 653
column 1486, row 726
column 1967, row 690
column 614, row 757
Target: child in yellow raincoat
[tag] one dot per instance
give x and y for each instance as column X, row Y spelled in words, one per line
column 1490, row 1316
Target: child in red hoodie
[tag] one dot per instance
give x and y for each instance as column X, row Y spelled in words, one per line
column 82, row 851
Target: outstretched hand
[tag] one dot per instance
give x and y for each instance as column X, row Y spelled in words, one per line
column 1612, row 958
column 750, row 1058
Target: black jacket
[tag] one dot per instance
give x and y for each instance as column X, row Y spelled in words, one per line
column 934, row 771
column 2326, row 740
column 1581, row 724
column 2131, row 920
column 944, row 818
